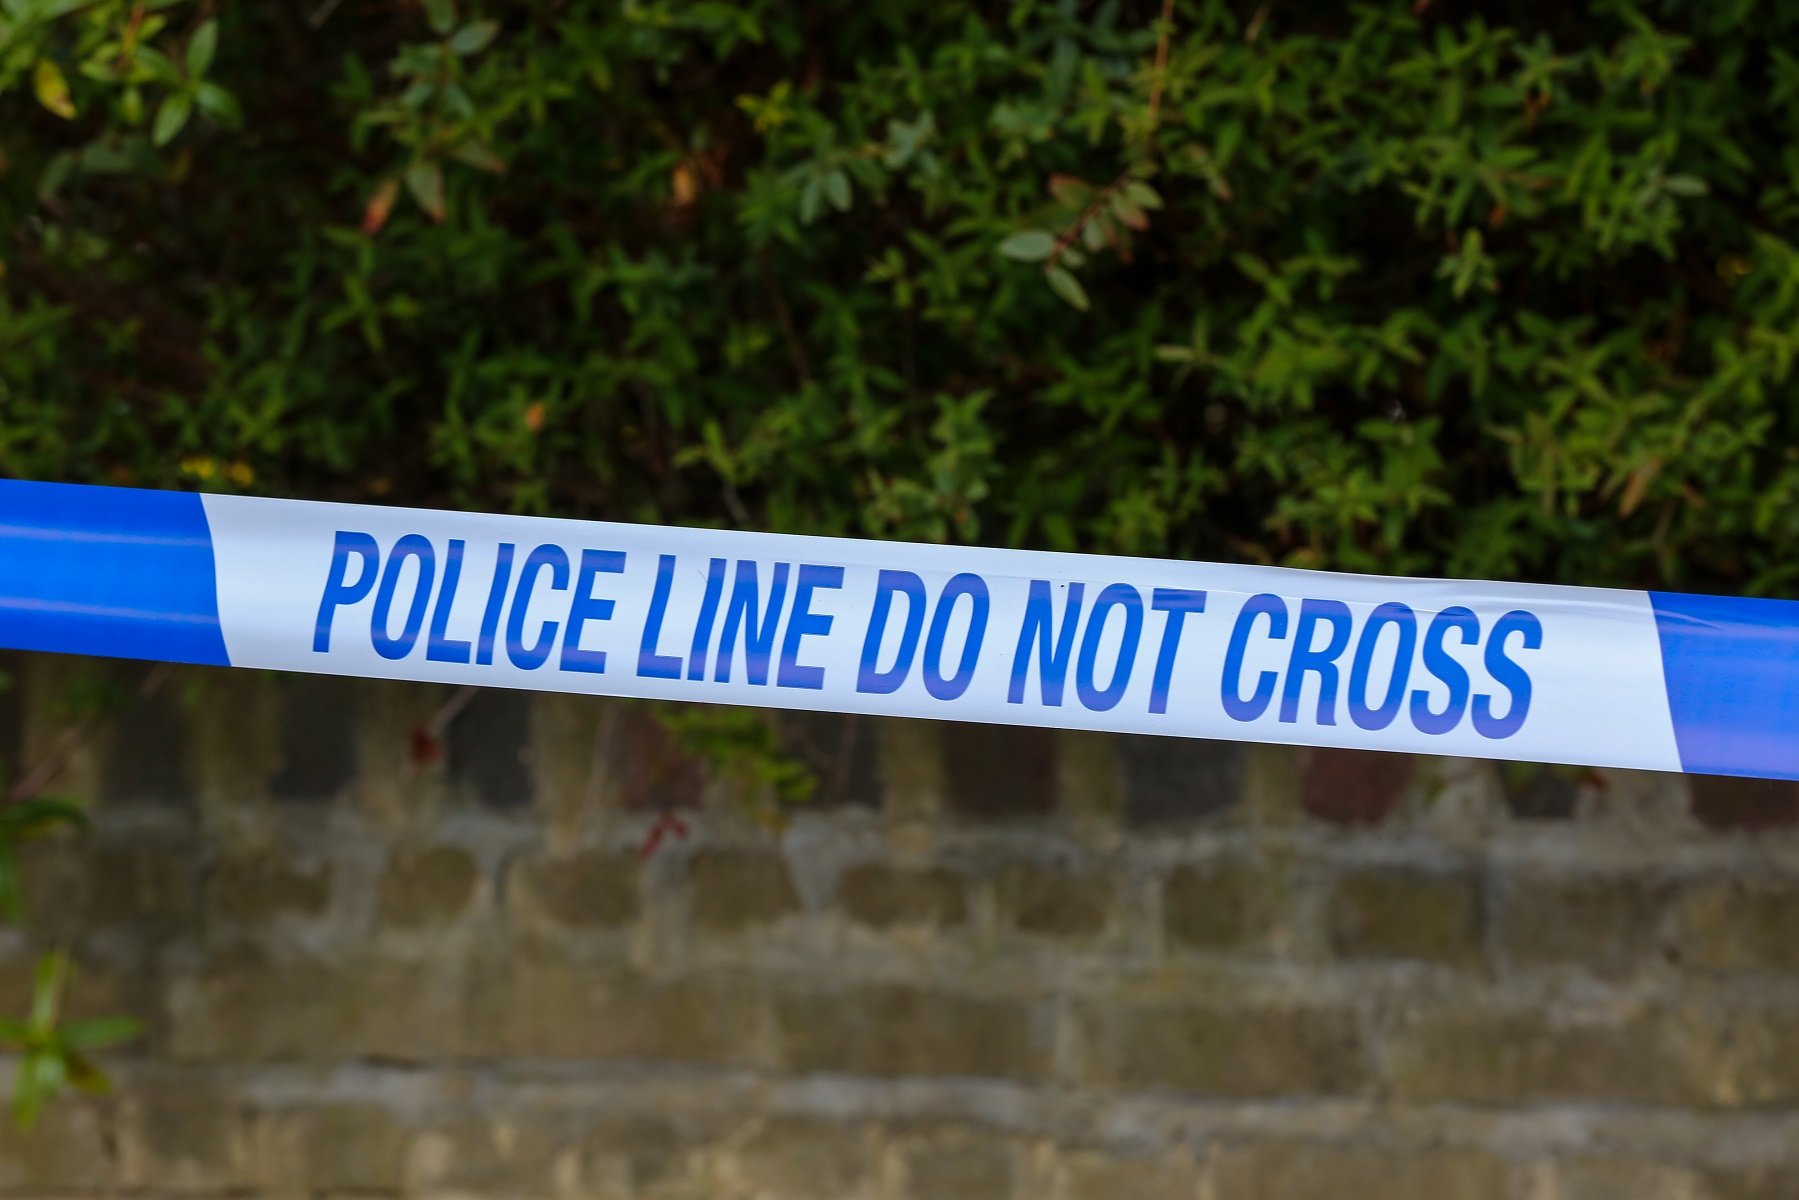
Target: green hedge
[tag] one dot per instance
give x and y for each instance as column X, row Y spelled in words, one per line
column 1477, row 288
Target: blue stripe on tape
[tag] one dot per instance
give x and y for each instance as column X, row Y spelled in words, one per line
column 112, row 571
column 1732, row 667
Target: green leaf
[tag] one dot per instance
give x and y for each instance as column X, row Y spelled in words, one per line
column 1142, row 195
column 478, row 155
column 837, row 190
column 171, row 116
column 29, row 818
column 200, row 49
column 474, row 37
column 1029, row 245
column 441, row 15
column 425, row 180
column 1685, row 185
column 1063, row 283
column 52, row 89
column 218, row 104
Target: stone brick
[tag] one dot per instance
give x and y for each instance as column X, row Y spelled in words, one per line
column 186, row 1139
column 959, row 1164
column 504, row 1154
column 1088, row 1175
column 896, row 1029
column 1179, row 779
column 320, row 717
column 1728, row 803
column 1767, row 1181
column 1614, row 1178
column 880, row 895
column 427, row 885
column 1062, row 901
column 1392, row 913
column 1607, row 926
column 148, row 757
column 1739, row 925
column 1540, row 792
column 152, row 886
column 1325, row 1171
column 1749, row 1053
column 1478, row 1055
column 1225, row 1050
column 842, row 751
column 247, row 1007
column 804, row 1159
column 735, row 889
column 1225, row 905
column 998, row 771
column 67, row 1149
column 256, row 886
column 1353, row 787
column 636, row 1156
column 490, row 749
column 355, row 1146
column 591, row 889
column 549, row 1007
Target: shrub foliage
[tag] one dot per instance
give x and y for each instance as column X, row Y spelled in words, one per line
column 1484, row 288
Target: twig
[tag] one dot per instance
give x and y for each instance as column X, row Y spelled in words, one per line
column 72, row 739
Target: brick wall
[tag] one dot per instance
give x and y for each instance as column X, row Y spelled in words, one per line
column 987, row 963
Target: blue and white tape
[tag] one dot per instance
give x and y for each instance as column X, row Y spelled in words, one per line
column 1493, row 670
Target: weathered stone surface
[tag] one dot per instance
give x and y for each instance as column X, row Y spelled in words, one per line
column 247, row 1007
column 319, row 722
column 1728, row 803
column 547, row 1007
column 591, row 889
column 258, row 885
column 348, row 1146
column 1607, row 926
column 893, row 1029
column 187, row 1139
column 501, row 1154
column 1739, row 925
column 804, row 1159
column 1389, row 913
column 67, row 1150
column 882, row 896
column 1478, row 1055
column 1323, row 1171
column 1230, row 904
column 151, row 886
column 999, row 771
column 638, row 1156
column 1061, row 901
column 737, row 889
column 1179, row 779
column 148, row 757
column 1353, row 787
column 1609, row 1177
column 1225, row 1050
column 958, row 1164
column 1089, row 1175
column 490, row 749
column 427, row 886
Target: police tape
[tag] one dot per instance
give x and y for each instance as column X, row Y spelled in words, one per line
column 1589, row 676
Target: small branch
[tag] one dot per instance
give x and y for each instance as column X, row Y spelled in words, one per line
column 1160, row 75
column 1066, row 239
column 71, row 740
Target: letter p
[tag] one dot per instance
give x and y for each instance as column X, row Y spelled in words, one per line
column 338, row 592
